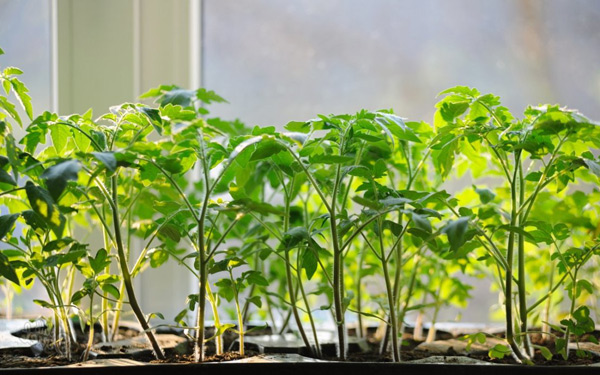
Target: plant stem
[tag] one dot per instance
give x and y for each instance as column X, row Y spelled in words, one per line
column 360, row 329
column 546, row 319
column 105, row 328
column 317, row 350
column 118, row 309
column 338, row 280
column 127, row 276
column 509, row 272
column 90, row 342
column 571, row 311
column 239, row 312
column 392, row 307
column 288, row 274
column 213, row 304
column 521, row 262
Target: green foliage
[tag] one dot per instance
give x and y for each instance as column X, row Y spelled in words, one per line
column 336, row 200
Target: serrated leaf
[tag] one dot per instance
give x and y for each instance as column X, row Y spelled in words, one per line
column 485, row 195
column 7, row 178
column 112, row 290
column 421, row 222
column 169, row 231
column 254, row 277
column 456, row 231
column 43, row 205
column 60, row 135
column 78, row 295
column 158, row 257
column 255, row 300
column 546, row 353
column 6, row 269
column 58, row 175
column 23, row 96
column 309, row 263
column 107, row 158
column 57, row 244
column 100, row 261
column 266, row 149
column 499, row 351
column 6, row 224
column 293, row 237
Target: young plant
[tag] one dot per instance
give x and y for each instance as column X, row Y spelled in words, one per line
column 231, row 287
column 93, row 269
column 545, row 148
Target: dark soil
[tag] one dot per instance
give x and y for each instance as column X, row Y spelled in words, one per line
column 189, row 358
column 50, row 357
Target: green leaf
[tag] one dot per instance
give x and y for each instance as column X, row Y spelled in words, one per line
column 58, row 175
column 6, row 224
column 366, row 202
column 112, row 290
column 592, row 166
column 7, row 178
column 546, row 353
column 34, row 220
column 180, row 97
column 43, row 303
column 169, row 231
column 331, row 159
column 485, row 195
column 166, row 207
column 158, row 257
column 293, row 237
column 57, row 244
column 255, row 300
column 22, row 96
column 584, row 284
column 221, row 329
column 456, row 231
column 462, row 90
column 499, row 351
column 9, row 108
column 225, row 289
column 266, row 149
column 258, row 207
column 298, row 126
column 60, row 135
column 42, row 203
column 561, row 231
column 254, row 277
column 533, row 176
column 208, row 96
column 78, row 295
column 517, row 230
column 397, row 127
column 107, row 158
column 99, row 262
column 421, row 222
column 309, row 263
column 6, row 269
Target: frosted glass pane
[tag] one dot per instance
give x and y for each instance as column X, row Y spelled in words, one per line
column 25, row 39
column 281, row 60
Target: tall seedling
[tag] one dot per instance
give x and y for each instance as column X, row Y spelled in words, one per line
column 543, row 149
column 335, row 149
column 221, row 152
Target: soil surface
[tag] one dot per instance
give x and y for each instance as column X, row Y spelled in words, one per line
column 51, row 357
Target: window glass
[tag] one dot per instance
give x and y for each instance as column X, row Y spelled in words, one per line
column 277, row 61
column 25, row 39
